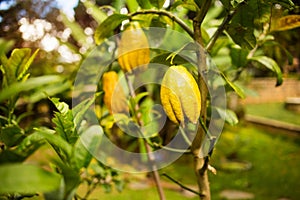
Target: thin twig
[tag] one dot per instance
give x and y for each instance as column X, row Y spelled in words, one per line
column 180, row 184
column 171, row 149
column 185, row 137
column 222, row 27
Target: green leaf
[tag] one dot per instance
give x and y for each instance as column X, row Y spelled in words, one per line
column 11, row 156
column 29, row 145
column 221, row 43
column 11, row 135
column 63, row 119
column 118, row 4
column 242, row 36
column 237, row 89
column 22, row 70
column 5, row 45
column 277, row 44
column 229, row 116
column 81, row 156
column 86, row 146
column 144, row 4
column 62, row 148
column 165, row 59
column 71, row 178
column 241, row 28
column 27, row 179
column 132, row 5
column 15, row 63
column 106, row 28
column 271, row 65
column 157, row 3
column 238, row 56
column 29, row 84
column 49, row 90
column 79, row 110
column 141, row 95
column 95, row 12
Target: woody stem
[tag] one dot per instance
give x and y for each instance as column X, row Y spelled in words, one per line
column 150, row 156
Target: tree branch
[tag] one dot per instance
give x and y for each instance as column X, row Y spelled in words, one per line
column 200, row 163
column 167, row 14
column 148, row 148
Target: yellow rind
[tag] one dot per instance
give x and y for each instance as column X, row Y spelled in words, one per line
column 133, row 48
column 114, row 96
column 180, row 95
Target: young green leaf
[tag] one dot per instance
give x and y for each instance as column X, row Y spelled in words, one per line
column 236, row 88
column 229, row 116
column 106, row 28
column 63, row 119
column 22, row 69
column 271, row 65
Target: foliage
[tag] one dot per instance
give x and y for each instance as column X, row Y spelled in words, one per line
column 72, row 165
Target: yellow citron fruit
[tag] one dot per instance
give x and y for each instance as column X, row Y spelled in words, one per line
column 114, row 96
column 180, row 95
column 133, row 50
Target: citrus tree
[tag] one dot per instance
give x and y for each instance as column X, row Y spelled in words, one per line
column 152, row 87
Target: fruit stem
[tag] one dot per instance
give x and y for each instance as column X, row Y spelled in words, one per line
column 150, row 156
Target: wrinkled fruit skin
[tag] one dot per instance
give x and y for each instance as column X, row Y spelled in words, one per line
column 114, row 96
column 180, row 95
column 133, row 49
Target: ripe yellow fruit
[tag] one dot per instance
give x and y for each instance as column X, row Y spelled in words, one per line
column 180, row 95
column 133, row 50
column 114, row 96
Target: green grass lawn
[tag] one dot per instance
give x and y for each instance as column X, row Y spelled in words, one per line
column 275, row 173
column 273, row 111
